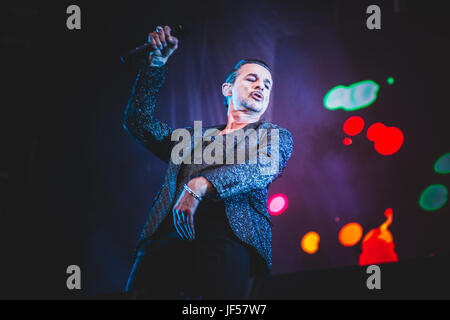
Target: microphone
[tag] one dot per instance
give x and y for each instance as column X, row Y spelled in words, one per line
column 176, row 31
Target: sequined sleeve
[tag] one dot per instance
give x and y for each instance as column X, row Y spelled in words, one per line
column 139, row 120
column 230, row 179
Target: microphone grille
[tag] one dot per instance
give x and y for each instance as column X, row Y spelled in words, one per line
column 178, row 31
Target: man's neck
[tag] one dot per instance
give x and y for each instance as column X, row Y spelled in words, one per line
column 238, row 120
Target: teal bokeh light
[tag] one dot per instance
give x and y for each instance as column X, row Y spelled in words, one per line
column 356, row 96
column 442, row 164
column 433, row 197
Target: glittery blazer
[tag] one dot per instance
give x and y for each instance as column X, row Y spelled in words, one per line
column 242, row 186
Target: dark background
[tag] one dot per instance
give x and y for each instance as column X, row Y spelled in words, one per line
column 76, row 189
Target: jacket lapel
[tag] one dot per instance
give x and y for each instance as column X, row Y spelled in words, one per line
column 174, row 169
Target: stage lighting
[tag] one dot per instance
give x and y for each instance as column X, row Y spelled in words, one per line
column 353, row 125
column 350, row 234
column 442, row 164
column 310, row 242
column 277, row 204
column 434, row 197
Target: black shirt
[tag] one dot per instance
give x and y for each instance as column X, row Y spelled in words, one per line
column 210, row 219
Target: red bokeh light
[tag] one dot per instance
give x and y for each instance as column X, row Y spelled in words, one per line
column 353, row 125
column 347, row 141
column 389, row 213
column 387, row 140
column 375, row 130
column 378, row 245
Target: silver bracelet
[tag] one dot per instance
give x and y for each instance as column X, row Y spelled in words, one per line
column 192, row 193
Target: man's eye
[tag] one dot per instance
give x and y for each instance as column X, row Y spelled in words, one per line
column 250, row 79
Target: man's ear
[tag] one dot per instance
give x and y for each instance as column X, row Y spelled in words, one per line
column 227, row 89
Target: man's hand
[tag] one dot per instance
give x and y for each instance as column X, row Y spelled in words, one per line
column 163, row 45
column 184, row 210
column 183, row 215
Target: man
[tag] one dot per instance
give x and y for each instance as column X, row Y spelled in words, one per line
column 208, row 232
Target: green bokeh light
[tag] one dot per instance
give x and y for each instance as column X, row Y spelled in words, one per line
column 390, row 80
column 356, row 96
column 442, row 165
column 433, row 197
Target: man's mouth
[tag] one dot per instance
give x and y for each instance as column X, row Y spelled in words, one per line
column 257, row 96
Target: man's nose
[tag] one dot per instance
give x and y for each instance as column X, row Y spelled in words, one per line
column 259, row 85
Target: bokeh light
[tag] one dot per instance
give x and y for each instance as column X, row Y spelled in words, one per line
column 378, row 244
column 375, row 130
column 387, row 140
column 278, row 204
column 310, row 242
column 442, row 165
column 390, row 80
column 353, row 125
column 350, row 234
column 356, row 96
column 347, row 141
column 433, row 197
column 389, row 213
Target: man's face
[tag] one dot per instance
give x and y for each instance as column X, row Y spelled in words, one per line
column 251, row 89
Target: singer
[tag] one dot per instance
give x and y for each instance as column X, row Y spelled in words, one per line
column 208, row 233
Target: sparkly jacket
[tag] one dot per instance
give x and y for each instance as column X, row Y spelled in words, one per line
column 242, row 186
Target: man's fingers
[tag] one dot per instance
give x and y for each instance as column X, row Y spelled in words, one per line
column 162, row 43
column 175, row 223
column 177, row 228
column 180, row 224
column 173, row 42
column 152, row 40
column 183, row 223
column 158, row 42
column 168, row 31
column 187, row 225
column 189, row 231
column 162, row 36
column 169, row 38
column 191, row 224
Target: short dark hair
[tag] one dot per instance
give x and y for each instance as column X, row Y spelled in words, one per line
column 231, row 78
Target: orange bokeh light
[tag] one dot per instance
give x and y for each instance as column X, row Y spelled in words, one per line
column 310, row 242
column 350, row 234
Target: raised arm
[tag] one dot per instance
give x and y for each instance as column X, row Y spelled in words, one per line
column 139, row 120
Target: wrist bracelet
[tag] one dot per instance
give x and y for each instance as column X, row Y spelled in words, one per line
column 192, row 193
